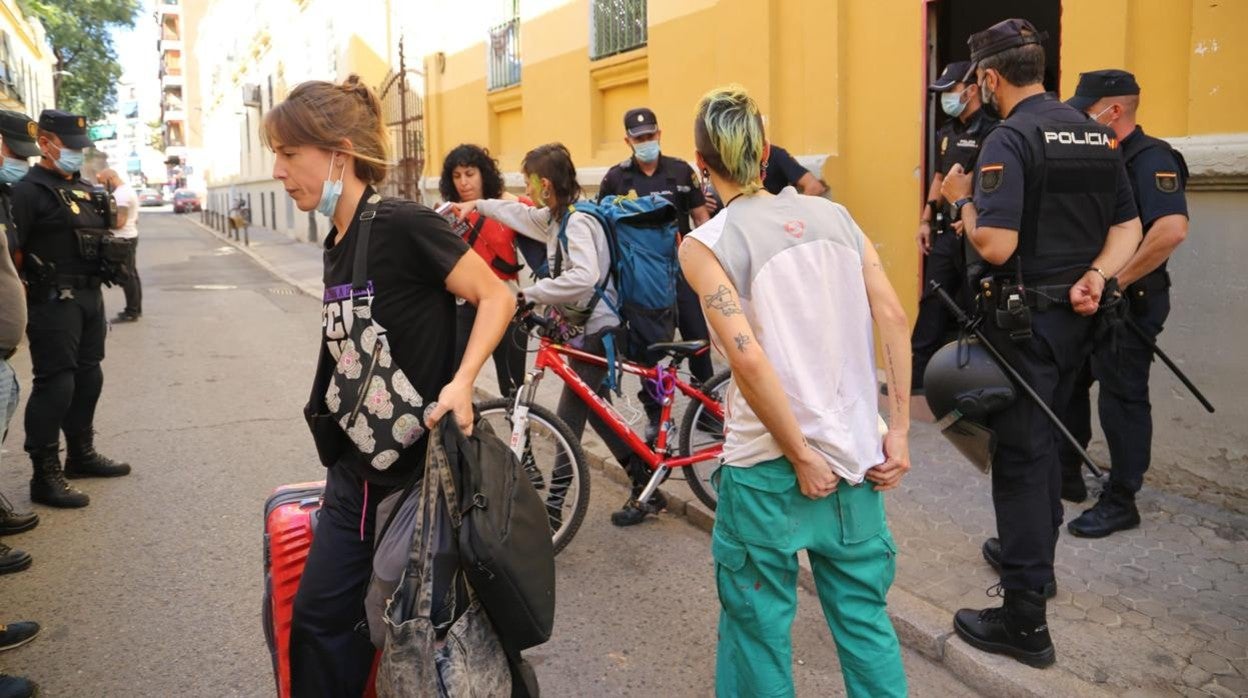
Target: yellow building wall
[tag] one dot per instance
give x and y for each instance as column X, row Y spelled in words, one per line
column 844, row 78
column 1188, row 55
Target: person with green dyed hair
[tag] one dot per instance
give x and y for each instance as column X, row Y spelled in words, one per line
column 791, row 288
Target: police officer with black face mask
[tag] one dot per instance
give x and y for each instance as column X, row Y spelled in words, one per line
column 1158, row 174
column 67, row 252
column 1053, row 218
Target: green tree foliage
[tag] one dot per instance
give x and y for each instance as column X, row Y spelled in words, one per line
column 80, row 34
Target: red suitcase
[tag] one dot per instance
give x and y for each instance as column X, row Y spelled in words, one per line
column 289, row 522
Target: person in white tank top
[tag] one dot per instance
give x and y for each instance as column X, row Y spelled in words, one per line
column 791, row 287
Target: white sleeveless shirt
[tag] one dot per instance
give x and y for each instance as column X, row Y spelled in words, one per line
column 796, row 262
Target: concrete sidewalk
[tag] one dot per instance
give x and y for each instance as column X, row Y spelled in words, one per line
column 1162, row 610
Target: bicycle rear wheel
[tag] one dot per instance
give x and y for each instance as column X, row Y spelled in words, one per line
column 699, row 429
column 555, row 462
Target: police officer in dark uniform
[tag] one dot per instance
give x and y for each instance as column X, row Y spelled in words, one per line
column 1053, row 219
column 957, row 142
column 1158, row 175
column 647, row 172
column 67, row 253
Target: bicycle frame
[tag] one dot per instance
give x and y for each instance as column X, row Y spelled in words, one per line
column 550, row 356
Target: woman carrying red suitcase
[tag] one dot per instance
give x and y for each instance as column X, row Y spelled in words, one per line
column 330, row 149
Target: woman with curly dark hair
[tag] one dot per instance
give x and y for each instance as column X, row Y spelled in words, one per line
column 469, row 174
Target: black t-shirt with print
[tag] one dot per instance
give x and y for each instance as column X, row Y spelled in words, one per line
column 411, row 252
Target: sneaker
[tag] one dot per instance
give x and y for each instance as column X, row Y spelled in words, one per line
column 12, row 560
column 634, row 512
column 17, row 634
column 17, row 687
column 126, row 316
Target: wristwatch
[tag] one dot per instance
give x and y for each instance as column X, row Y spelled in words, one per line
column 957, row 205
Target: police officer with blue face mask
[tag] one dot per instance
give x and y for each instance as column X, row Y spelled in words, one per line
column 957, row 142
column 650, row 172
column 67, row 252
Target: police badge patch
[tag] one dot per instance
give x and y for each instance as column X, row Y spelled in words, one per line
column 990, row 176
column 1167, row 182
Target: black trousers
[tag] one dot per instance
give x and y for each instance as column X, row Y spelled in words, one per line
column 66, row 347
column 935, row 324
column 692, row 325
column 1026, row 475
column 133, row 287
column 328, row 656
column 510, row 356
column 1126, row 413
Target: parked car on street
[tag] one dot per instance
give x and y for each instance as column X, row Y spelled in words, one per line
column 151, row 197
column 186, row 201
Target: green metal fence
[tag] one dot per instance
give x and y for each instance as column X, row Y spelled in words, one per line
column 616, row 26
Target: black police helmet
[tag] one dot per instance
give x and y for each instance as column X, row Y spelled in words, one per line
column 962, row 376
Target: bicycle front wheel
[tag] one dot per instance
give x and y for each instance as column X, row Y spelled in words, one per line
column 554, row 461
column 699, row 430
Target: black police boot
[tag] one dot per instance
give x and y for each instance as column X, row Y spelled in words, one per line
column 1114, row 511
column 48, row 485
column 1017, row 628
column 1074, row 489
column 17, row 634
column 13, row 522
column 992, row 555
column 13, row 560
column 81, row 459
column 17, row 687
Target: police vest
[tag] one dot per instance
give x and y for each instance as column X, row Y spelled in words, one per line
column 79, row 242
column 1070, row 196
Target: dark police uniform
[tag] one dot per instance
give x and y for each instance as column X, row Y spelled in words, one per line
column 675, row 180
column 957, row 143
column 66, row 245
column 1056, row 178
column 783, row 170
column 18, row 132
column 1158, row 175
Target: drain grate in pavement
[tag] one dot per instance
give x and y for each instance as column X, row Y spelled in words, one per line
column 284, row 291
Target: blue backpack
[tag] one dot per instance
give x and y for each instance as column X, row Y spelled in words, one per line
column 642, row 235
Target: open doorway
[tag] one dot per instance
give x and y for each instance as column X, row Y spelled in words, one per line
column 951, row 22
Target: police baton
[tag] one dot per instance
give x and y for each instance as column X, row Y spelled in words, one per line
column 972, row 326
column 1148, row 342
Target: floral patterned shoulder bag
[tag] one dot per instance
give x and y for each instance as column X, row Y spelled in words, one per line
column 369, row 396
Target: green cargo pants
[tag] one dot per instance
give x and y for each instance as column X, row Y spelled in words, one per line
column 762, row 520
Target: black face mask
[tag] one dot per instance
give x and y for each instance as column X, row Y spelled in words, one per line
column 988, row 101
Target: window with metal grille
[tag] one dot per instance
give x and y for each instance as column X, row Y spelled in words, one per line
column 616, row 26
column 503, row 54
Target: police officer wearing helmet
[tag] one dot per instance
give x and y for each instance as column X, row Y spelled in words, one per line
column 1158, row 174
column 957, row 142
column 647, row 172
column 67, row 253
column 1053, row 218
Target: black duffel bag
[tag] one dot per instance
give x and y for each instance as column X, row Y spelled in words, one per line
column 505, row 545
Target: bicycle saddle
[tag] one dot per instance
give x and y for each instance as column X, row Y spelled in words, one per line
column 679, row 350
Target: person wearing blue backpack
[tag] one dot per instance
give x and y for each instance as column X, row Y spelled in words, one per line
column 581, row 285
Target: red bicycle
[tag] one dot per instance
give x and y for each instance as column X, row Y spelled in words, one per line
column 553, row 456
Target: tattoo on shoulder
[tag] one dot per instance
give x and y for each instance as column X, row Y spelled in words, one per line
column 723, row 301
column 742, row 341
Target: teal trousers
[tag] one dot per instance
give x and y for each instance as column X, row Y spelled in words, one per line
column 762, row 521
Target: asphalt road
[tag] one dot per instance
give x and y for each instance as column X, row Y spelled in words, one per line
column 155, row 589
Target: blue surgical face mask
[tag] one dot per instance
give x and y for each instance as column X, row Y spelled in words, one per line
column 70, row 161
column 331, row 191
column 951, row 103
column 13, row 170
column 647, row 152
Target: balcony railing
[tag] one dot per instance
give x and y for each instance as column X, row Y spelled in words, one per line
column 616, row 26
column 503, row 54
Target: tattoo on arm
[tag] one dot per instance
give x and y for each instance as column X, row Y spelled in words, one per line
column 743, row 341
column 892, row 380
column 723, row 301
